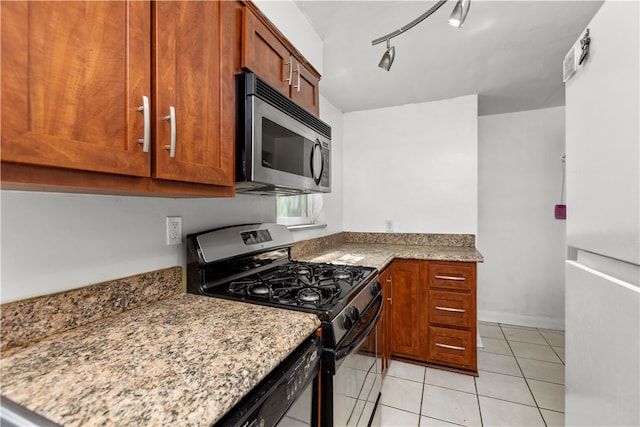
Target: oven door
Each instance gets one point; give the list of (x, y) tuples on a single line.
[(357, 381)]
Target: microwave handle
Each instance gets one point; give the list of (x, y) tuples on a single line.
[(317, 150)]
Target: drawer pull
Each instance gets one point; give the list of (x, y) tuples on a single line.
[(459, 279), (455, 310), (450, 347)]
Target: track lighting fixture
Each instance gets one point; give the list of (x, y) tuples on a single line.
[(387, 58), (458, 15)]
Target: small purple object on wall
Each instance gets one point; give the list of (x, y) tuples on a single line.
[(561, 211)]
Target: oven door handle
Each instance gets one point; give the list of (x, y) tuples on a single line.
[(361, 333)]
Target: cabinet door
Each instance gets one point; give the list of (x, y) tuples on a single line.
[(73, 75), (192, 76), (264, 54), (409, 325), (304, 89), (387, 331)]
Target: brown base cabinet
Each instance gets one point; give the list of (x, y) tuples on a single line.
[(431, 317), (407, 315), (387, 332)]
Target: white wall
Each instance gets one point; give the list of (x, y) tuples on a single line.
[(414, 164), (53, 242), (520, 176)]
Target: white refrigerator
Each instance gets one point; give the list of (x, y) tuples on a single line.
[(602, 294)]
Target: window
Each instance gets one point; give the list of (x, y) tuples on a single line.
[(298, 210)]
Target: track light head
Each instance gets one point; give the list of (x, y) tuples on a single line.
[(459, 13), (387, 57)]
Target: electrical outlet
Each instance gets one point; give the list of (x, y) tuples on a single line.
[(174, 230), (388, 225)]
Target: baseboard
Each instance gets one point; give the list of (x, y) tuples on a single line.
[(520, 320)]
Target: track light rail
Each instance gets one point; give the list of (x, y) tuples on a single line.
[(410, 25)]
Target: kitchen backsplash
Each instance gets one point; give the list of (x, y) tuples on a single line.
[(35, 318)]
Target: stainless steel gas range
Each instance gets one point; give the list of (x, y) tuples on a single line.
[(252, 263)]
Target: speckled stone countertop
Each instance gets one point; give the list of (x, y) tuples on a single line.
[(185, 360), (379, 249)]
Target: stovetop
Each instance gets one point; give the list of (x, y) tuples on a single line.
[(252, 263), (319, 288)]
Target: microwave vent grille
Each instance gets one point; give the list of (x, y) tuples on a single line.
[(268, 93)]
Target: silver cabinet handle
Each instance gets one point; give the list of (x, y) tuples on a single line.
[(450, 347), (290, 64), (171, 118), (298, 71), (459, 279), (454, 310), (144, 109)]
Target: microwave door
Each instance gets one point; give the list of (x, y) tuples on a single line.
[(283, 149)]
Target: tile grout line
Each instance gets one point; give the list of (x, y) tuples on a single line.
[(524, 376), (552, 349), (478, 400), (434, 385), (424, 382)]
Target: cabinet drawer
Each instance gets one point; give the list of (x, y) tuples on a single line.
[(453, 276), (451, 308), (452, 347)]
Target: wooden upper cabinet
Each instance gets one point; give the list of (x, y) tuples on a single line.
[(193, 79), (264, 54), (269, 57), (73, 76), (304, 89)]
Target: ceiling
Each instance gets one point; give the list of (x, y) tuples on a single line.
[(509, 52)]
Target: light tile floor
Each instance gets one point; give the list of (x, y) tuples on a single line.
[(520, 383)]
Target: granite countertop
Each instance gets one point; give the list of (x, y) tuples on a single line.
[(380, 255), (379, 249), (185, 360)]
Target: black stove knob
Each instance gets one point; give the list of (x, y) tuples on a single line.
[(347, 322), (375, 288), (355, 314)]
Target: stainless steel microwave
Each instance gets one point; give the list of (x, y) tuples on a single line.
[(281, 148)]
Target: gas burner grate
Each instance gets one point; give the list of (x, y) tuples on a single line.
[(297, 284)]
